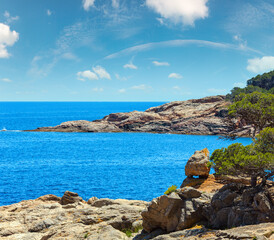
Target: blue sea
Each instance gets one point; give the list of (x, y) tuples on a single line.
[(113, 165)]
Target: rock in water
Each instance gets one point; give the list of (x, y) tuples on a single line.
[(197, 165)]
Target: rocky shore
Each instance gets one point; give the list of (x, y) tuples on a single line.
[(197, 116), (208, 207)]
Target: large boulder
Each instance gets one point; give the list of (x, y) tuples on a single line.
[(179, 210), (197, 165)]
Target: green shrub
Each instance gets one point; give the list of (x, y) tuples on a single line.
[(170, 190)]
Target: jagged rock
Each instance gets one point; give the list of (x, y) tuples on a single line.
[(235, 205), (196, 116), (163, 212), (70, 197), (176, 211), (197, 165), (189, 192)]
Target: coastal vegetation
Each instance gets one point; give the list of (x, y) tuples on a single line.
[(253, 105)]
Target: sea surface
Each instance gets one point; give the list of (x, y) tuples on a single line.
[(113, 165)]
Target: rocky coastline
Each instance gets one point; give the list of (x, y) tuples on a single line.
[(203, 116), (208, 207)]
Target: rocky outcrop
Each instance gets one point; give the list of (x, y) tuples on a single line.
[(197, 116), (180, 215), (236, 205), (179, 210), (48, 218), (197, 165)]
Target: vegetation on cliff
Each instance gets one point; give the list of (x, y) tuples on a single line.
[(261, 83), (255, 160), (253, 105)]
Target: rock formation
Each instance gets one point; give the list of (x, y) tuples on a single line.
[(197, 165), (197, 116)]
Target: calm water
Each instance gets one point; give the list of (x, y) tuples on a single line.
[(114, 165)]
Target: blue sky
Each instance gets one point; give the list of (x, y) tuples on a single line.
[(122, 50)]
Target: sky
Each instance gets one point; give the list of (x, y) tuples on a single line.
[(132, 50)]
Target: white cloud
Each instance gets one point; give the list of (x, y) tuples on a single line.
[(159, 64), (178, 43), (130, 66), (49, 12), (140, 87), (260, 65), (69, 56), (115, 3), (7, 38), (87, 4), (122, 90), (9, 18), (101, 72), (82, 76), (175, 75), (97, 89), (118, 77), (180, 11), (6, 80)]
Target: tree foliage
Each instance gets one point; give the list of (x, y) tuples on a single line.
[(265, 81), (255, 160), (261, 83), (256, 109)]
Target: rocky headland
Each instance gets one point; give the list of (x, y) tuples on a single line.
[(208, 207), (203, 116)]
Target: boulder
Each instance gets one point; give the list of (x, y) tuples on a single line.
[(70, 197), (163, 212), (197, 165), (176, 211)]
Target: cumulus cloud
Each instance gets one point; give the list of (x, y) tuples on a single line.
[(101, 72), (6, 80), (260, 65), (175, 75), (82, 76), (7, 38), (159, 64), (10, 18), (130, 66), (180, 11), (98, 72), (87, 4)]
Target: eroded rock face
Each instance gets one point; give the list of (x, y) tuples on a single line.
[(197, 116), (179, 210), (197, 165), (236, 204), (46, 218)]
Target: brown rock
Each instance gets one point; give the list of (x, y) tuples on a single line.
[(70, 197), (197, 165)]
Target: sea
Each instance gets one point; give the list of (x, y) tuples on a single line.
[(137, 166)]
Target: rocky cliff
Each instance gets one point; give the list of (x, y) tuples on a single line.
[(197, 116)]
